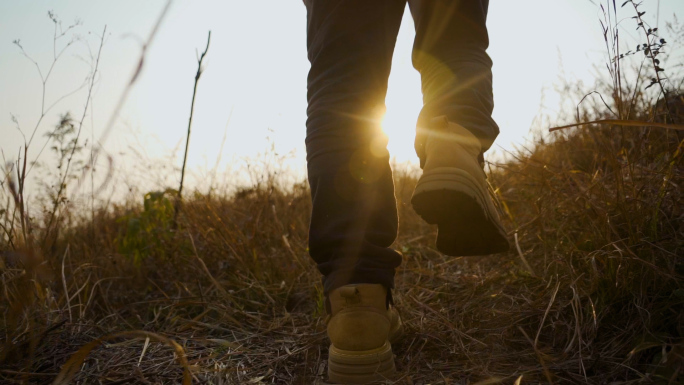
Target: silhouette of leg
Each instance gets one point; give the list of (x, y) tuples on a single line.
[(450, 54), (354, 220), (455, 126)]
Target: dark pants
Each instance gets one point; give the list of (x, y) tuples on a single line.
[(350, 46)]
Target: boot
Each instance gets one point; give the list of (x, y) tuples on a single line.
[(361, 328), (452, 192)]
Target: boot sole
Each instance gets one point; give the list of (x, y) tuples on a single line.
[(360, 367), (463, 211)]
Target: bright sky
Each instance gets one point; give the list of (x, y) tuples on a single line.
[(256, 70)]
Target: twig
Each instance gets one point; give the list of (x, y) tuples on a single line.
[(631, 123), (147, 343), (187, 138), (124, 96), (62, 185), (546, 313), (520, 253), (586, 96), (652, 56), (66, 288)]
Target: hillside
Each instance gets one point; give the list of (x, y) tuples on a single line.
[(592, 292)]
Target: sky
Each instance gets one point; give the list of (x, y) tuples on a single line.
[(252, 94)]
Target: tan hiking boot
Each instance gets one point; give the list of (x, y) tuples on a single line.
[(361, 328), (452, 192)]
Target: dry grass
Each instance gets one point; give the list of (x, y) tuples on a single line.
[(597, 213), (592, 292)]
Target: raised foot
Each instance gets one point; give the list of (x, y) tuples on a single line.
[(465, 216)]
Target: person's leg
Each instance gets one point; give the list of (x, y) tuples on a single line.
[(455, 126), (450, 54), (354, 219)]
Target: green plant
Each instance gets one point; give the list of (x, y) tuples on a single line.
[(147, 232)]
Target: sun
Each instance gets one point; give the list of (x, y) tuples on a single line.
[(398, 124)]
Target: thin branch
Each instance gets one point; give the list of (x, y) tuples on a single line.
[(652, 56), (187, 138), (62, 185), (631, 123), (124, 96), (586, 96)]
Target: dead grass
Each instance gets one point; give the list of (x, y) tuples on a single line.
[(597, 213), (592, 292)]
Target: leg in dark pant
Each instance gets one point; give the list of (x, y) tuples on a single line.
[(350, 45), (354, 218), (450, 54), (455, 126)]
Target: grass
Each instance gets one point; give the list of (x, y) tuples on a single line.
[(591, 292), (596, 213)]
